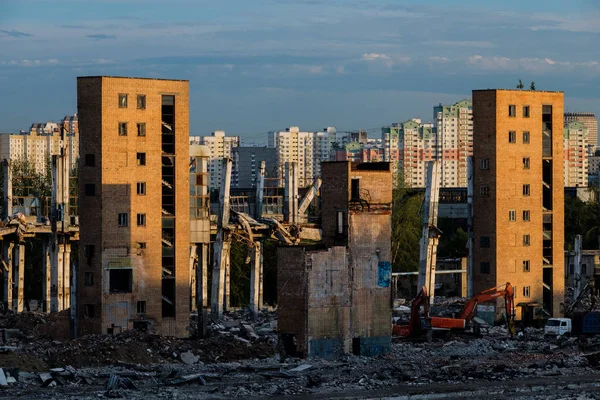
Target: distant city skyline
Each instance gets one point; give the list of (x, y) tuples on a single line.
[(264, 65)]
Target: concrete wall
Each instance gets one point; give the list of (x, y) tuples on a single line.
[(346, 300)]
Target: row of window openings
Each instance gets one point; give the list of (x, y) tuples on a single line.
[(141, 101), (485, 267), (90, 309), (485, 241), (512, 111), (141, 128), (123, 219), (90, 189), (484, 190), (484, 163), (512, 137), (90, 159)]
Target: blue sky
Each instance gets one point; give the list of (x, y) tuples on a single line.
[(259, 65)]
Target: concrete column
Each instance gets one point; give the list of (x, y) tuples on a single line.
[(193, 274), (67, 277), (7, 200), (46, 282), (202, 277), (53, 254), (227, 260), (20, 278), (218, 275), (7, 259), (260, 279), (60, 277), (73, 304), (255, 279)]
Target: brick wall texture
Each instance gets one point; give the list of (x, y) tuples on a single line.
[(504, 180), (115, 176)]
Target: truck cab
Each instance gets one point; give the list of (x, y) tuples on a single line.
[(558, 327)]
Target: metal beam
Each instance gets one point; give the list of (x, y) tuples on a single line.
[(256, 279)]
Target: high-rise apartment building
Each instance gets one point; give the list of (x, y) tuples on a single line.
[(590, 122), (134, 187), (245, 168), (220, 147), (43, 140), (416, 146), (454, 136), (576, 154), (307, 149), (409, 145), (518, 196)]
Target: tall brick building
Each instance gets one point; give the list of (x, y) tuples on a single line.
[(134, 196), (518, 196)]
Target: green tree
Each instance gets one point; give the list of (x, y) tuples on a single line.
[(453, 241), (520, 85), (406, 226)]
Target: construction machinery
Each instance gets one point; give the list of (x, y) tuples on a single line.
[(415, 327), (469, 312)]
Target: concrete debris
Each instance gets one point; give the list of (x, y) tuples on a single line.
[(3, 381), (300, 368), (230, 365), (189, 358)]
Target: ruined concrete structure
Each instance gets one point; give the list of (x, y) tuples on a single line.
[(134, 187), (518, 196), (335, 298)]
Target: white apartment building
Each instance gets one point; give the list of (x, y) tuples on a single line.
[(41, 142), (410, 145), (454, 131), (590, 122), (576, 154), (220, 147), (307, 149)]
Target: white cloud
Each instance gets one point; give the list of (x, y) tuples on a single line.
[(439, 59), (374, 56), (30, 63), (385, 59), (527, 63)]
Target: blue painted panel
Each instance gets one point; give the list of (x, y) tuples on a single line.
[(384, 271), (375, 346), (326, 348)]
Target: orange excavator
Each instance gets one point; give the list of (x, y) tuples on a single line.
[(470, 309), (414, 328)]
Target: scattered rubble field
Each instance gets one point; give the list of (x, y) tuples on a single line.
[(240, 360)]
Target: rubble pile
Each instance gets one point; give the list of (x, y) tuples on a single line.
[(239, 360), (234, 338)]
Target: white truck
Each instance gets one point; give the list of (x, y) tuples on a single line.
[(558, 327)]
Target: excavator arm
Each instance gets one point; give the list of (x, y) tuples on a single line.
[(505, 291), (414, 329)]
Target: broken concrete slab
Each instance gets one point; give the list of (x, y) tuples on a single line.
[(300, 368), (189, 358), (249, 332), (45, 377)]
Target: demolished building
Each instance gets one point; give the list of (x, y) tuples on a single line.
[(335, 297)]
